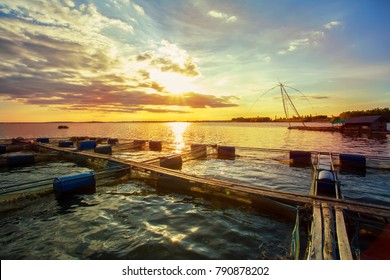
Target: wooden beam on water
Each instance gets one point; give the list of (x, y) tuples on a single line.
[(283, 196), (329, 245), (316, 243), (342, 236)]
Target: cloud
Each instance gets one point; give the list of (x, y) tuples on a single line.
[(139, 9), (189, 68), (222, 16), (319, 97), (85, 80), (98, 95), (299, 43), (264, 58), (309, 38), (169, 58), (267, 59), (62, 58), (69, 3), (332, 24), (144, 56), (84, 18), (306, 40), (196, 100)]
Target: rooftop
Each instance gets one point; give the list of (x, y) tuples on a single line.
[(364, 119)]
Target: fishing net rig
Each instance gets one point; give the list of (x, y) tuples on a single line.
[(288, 105)]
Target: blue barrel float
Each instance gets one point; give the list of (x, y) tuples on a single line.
[(103, 149), (155, 146), (65, 144), (226, 152), (86, 145), (43, 140), (20, 160), (3, 149), (352, 161), (173, 162), (112, 141), (300, 158), (83, 183), (326, 184)]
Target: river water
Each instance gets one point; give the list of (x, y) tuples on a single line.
[(141, 221)]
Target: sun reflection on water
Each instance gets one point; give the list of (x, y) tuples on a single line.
[(178, 129), (164, 231)]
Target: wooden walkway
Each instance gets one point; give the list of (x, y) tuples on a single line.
[(244, 192), (329, 238)]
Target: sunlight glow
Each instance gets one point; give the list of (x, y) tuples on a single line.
[(178, 129), (174, 83), (122, 61)]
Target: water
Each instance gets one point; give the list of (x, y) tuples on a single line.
[(263, 135), (135, 220), (39, 171)]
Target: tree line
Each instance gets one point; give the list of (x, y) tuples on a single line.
[(384, 112)]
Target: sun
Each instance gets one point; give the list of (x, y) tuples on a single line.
[(174, 83)]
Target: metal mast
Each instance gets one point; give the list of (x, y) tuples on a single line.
[(288, 102)]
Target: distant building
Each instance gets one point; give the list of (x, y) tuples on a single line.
[(367, 123)]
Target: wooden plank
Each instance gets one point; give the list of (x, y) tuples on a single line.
[(342, 236), (329, 249), (316, 243), (287, 197)]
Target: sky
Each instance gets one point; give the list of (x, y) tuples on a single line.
[(178, 60)]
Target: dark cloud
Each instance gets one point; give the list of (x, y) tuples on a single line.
[(120, 109), (46, 92), (144, 56), (166, 65), (8, 48), (47, 71), (197, 100), (153, 85), (145, 74), (319, 97)]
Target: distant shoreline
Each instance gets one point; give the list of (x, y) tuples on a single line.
[(203, 121), (384, 112)]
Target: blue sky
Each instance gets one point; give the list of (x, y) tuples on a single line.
[(190, 60)]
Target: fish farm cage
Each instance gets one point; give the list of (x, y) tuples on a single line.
[(303, 187)]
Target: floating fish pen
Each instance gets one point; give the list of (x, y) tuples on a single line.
[(325, 222), (340, 129)]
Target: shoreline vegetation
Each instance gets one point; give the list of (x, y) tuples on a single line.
[(384, 112)]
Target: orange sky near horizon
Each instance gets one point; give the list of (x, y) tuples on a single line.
[(172, 60)]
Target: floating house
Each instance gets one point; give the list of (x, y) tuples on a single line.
[(366, 123)]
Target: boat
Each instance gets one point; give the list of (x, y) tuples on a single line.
[(63, 127)]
